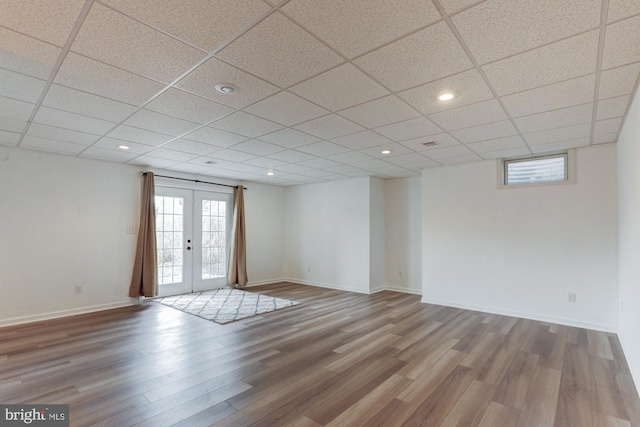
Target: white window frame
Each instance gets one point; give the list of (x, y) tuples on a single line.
[(570, 170)]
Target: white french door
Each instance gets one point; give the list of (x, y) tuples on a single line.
[(192, 234)]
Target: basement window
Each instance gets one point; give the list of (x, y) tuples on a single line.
[(535, 170)]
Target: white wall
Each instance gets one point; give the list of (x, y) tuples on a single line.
[(629, 236), (519, 251), (377, 233), (327, 232), (63, 222), (264, 211), (403, 214)]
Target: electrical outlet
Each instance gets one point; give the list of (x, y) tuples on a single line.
[(78, 289), (131, 229), (572, 297)]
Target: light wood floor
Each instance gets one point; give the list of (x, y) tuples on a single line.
[(339, 359)]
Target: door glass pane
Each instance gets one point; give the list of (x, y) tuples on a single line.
[(169, 236), (214, 239)]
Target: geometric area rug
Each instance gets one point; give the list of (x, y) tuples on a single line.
[(225, 305)]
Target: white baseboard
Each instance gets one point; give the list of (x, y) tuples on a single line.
[(524, 315), (634, 374), (326, 285), (265, 282), (403, 290), (65, 313)]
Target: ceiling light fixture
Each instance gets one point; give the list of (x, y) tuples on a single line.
[(445, 97), (123, 147), (270, 173), (225, 88), (386, 151)]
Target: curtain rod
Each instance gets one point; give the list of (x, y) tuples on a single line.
[(197, 180)]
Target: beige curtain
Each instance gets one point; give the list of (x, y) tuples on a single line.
[(145, 271), (237, 271)]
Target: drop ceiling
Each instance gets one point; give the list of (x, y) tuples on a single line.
[(323, 86)]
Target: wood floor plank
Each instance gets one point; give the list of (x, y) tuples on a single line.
[(397, 361)]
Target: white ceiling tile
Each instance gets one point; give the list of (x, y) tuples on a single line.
[(52, 146), (399, 67), (552, 63), (48, 21), (20, 87), (258, 148), (558, 134), (134, 147), (242, 167), (442, 140), (446, 152), (612, 107), (194, 21), (347, 170), (328, 127), (556, 118), (380, 112), (422, 164), (246, 124), (409, 129), (619, 9), (289, 168), (209, 165), (280, 52), (559, 95), (238, 175), (506, 143), (397, 172), (502, 154), (360, 140), (340, 88), (407, 159), (58, 134), (232, 156), (286, 108), (129, 133), (15, 109), (249, 89), (452, 6), (622, 43), (101, 79), (265, 162), (291, 156), (561, 145), (350, 157), (323, 149), (319, 163), (111, 37), (344, 26), (300, 179), (177, 103), (12, 125), (606, 138), (485, 132), (178, 156), (608, 126), (9, 138), (109, 155), (152, 162), (371, 164), (460, 160), (511, 27), (161, 123), (66, 120), (468, 87), (618, 81), (469, 115), (289, 138), (218, 137), (75, 101), (395, 148), (193, 147), (324, 175), (26, 55)]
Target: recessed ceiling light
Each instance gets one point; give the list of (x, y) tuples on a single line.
[(123, 147), (270, 173), (445, 97), (386, 151), (225, 88)]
